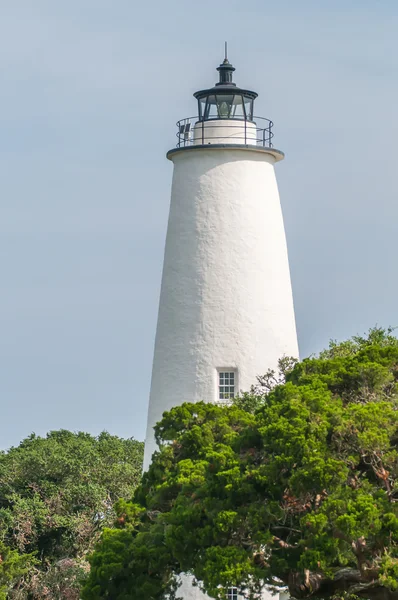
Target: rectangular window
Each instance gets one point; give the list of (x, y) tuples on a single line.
[(226, 384), (232, 593)]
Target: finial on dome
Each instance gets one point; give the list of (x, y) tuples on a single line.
[(226, 70)]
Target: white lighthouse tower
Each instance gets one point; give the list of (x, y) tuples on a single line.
[(226, 308)]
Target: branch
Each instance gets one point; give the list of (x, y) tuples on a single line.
[(287, 528), (351, 581), (284, 544)]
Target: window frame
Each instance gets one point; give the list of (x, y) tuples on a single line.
[(226, 383), (205, 104), (232, 593)]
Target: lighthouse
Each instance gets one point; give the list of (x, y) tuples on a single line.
[(226, 308)]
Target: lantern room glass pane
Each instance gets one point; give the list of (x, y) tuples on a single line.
[(248, 107), (224, 104), (211, 111), (202, 107), (237, 111)]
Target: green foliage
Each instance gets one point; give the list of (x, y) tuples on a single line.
[(56, 495), (13, 567), (377, 336), (297, 487)]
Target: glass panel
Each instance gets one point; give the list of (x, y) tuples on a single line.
[(226, 385), (202, 106), (248, 107), (211, 111), (224, 104), (237, 111)]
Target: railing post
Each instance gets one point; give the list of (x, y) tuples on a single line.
[(245, 132)]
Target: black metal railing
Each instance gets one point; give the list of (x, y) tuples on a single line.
[(192, 132)]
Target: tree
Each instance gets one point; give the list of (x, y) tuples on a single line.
[(299, 491), (56, 495)]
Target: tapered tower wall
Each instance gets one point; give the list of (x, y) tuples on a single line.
[(226, 299)]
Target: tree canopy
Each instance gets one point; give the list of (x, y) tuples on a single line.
[(292, 486), (56, 495)]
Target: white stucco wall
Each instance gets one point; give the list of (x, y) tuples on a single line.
[(189, 592), (226, 298), (225, 131)]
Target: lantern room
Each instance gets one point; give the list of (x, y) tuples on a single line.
[(225, 100)]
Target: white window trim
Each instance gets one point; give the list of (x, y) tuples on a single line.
[(232, 593), (219, 370)]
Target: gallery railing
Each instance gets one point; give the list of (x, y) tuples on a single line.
[(192, 132)]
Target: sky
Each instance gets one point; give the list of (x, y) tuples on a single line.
[(90, 93)]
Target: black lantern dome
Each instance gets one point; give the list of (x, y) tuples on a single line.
[(225, 100)]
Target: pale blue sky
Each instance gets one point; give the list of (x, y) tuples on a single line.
[(90, 93)]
